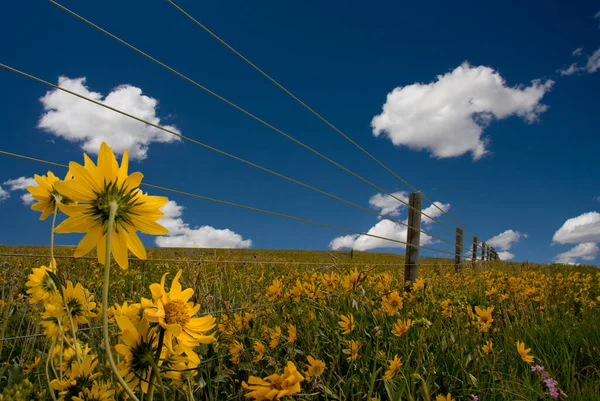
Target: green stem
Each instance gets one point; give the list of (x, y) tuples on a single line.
[(161, 338), (52, 262), (156, 373), (47, 370), (111, 360)]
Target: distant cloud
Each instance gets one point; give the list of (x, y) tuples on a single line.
[(388, 205), (577, 52), (572, 69), (506, 240), (505, 255), (77, 120), (448, 116), (27, 199), (182, 236), (586, 251), (597, 198), (581, 229), (4, 195), (20, 183), (386, 229), (593, 63)]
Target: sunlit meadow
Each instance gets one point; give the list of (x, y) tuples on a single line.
[(77, 329)]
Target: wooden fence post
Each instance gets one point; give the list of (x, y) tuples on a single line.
[(413, 238), (458, 251), (483, 248), (474, 255)]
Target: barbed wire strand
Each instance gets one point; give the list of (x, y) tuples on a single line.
[(221, 152), (239, 108), (319, 116), (339, 228)]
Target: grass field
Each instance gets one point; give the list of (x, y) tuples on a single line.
[(453, 336)]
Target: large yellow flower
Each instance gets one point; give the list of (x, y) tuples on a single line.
[(99, 392), (176, 316), (524, 352), (46, 194), (41, 286), (93, 189), (274, 386), (78, 378)]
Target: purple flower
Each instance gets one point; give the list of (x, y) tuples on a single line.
[(537, 368), (545, 375)]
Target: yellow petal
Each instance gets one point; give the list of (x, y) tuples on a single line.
[(78, 223), (89, 241), (133, 243), (119, 249), (148, 226)]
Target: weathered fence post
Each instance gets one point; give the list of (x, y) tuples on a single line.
[(474, 255), (458, 251), (483, 248), (413, 238)]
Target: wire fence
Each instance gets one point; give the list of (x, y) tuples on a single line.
[(464, 251)]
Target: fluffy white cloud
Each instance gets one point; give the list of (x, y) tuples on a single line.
[(434, 212), (580, 229), (80, 121), (506, 240), (182, 236), (585, 251), (27, 199), (448, 116), (20, 183), (505, 255), (4, 195), (577, 52), (593, 63), (388, 205), (572, 69), (386, 229)]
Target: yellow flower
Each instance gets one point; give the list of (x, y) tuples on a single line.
[(315, 368), (291, 333), (93, 189), (391, 303), (99, 392), (446, 398), (395, 365), (352, 351), (41, 286), (274, 335), (275, 289), (78, 377), (46, 194), (347, 324), (175, 314), (353, 280), (235, 349), (274, 386), (259, 349), (524, 352), (401, 327), (419, 284), (28, 368), (488, 347), (79, 302), (138, 345), (485, 315)]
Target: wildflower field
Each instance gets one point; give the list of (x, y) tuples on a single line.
[(317, 325)]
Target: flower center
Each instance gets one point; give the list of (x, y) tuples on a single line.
[(124, 197), (176, 312)]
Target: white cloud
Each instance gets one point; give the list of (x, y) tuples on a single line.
[(434, 212), (597, 198), (505, 255), (585, 251), (4, 195), (77, 120), (182, 236), (593, 63), (577, 52), (572, 69), (20, 183), (506, 240), (580, 229), (386, 229), (388, 205), (447, 117), (27, 199)]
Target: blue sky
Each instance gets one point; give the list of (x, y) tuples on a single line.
[(503, 152)]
